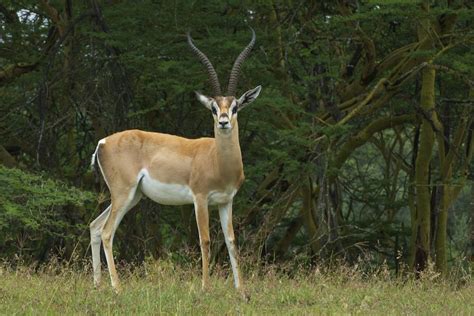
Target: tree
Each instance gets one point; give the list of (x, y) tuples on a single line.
[(361, 141)]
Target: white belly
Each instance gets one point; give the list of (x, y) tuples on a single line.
[(178, 194), (165, 193)]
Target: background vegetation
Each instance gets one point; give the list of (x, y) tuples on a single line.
[(360, 146)]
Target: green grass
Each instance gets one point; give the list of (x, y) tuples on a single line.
[(163, 288)]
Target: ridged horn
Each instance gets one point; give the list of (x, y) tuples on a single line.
[(216, 87), (234, 74)]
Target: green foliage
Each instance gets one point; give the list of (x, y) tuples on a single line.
[(34, 209), (129, 66)]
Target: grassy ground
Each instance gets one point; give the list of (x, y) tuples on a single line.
[(161, 288)]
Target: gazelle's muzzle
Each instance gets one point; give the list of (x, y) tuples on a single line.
[(224, 121)]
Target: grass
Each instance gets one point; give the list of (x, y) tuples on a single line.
[(160, 287)]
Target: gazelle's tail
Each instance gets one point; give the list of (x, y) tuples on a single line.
[(95, 164)]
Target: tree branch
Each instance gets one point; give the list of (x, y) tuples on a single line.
[(12, 71), (365, 134)]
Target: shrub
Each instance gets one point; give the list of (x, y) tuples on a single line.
[(39, 216)]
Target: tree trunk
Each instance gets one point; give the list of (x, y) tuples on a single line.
[(6, 159), (425, 147), (422, 172), (411, 201), (441, 260), (307, 214), (284, 244), (471, 250)]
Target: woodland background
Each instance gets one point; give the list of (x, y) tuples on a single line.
[(359, 148)]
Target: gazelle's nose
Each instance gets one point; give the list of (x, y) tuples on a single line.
[(224, 124)]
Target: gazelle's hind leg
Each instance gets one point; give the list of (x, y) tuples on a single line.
[(121, 204), (96, 241)]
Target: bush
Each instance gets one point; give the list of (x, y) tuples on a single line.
[(39, 216)]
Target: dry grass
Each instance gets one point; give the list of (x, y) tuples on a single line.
[(160, 287)]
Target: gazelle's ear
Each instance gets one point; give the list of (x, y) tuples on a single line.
[(205, 100), (248, 97)]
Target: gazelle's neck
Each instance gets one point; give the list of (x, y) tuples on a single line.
[(229, 157)]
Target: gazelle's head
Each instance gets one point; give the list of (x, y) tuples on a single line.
[(225, 108)]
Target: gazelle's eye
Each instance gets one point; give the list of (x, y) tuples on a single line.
[(214, 111), (234, 110)]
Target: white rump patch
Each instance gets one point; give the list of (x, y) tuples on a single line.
[(102, 141), (164, 193)]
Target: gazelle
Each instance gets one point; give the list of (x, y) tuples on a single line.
[(173, 170)]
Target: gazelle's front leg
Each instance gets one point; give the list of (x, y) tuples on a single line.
[(225, 214), (202, 219)]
